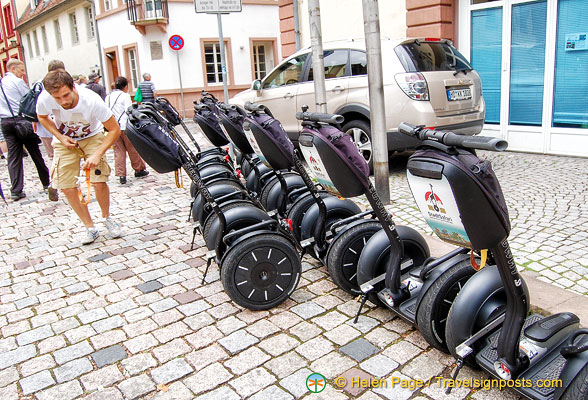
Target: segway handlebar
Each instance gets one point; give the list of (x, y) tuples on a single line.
[(320, 117), (453, 139), (249, 106), (226, 107)]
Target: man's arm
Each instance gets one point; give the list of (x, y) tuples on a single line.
[(50, 126), (153, 90), (113, 134)]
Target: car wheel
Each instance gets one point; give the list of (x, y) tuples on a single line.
[(361, 136)]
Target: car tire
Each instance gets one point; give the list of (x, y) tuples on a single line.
[(361, 135)]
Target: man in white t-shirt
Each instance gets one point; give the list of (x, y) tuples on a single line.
[(79, 118)]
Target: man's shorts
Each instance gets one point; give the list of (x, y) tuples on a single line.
[(67, 162)]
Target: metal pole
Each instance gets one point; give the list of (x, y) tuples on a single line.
[(318, 64), (296, 24), (181, 87), (222, 51), (102, 72), (371, 24)]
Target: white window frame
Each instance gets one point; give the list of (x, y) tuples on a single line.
[(134, 73), (36, 43), (90, 25), (58, 38), (217, 65), (45, 39), (73, 24), (29, 44), (268, 58)]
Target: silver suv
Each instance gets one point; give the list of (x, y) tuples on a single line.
[(426, 82)]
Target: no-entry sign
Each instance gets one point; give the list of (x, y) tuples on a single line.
[(176, 42)]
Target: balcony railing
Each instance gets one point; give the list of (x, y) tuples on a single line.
[(142, 13)]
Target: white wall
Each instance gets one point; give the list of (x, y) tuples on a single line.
[(343, 19), (254, 21), (81, 58)]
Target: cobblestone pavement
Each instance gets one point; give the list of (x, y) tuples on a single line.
[(129, 317)]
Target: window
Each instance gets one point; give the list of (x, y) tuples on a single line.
[(153, 9), (29, 45), (288, 73), (45, 41), (335, 62), (212, 60), (91, 30), (133, 67), (57, 28), (8, 20), (107, 5), (36, 42), (358, 61), (263, 59), (75, 37)]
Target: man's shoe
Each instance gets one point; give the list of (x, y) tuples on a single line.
[(90, 236), (123, 180), (139, 174), (113, 227), (17, 196), (53, 194)]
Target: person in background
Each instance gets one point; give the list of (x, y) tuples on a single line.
[(82, 81), (147, 89), (3, 147), (80, 118), (94, 86), (118, 101), (13, 88)]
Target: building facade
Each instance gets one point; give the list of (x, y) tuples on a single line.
[(9, 38), (135, 40), (59, 29)]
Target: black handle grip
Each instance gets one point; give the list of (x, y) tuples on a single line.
[(320, 117), (226, 107), (200, 107), (452, 139), (251, 107)]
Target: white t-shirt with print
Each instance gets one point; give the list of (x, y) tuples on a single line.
[(82, 121)]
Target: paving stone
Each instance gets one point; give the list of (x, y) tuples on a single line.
[(262, 329), (122, 274), (65, 325), (305, 331), (193, 308), (141, 343), (395, 392), (108, 324), (79, 334), (171, 371), (36, 382), (72, 369), (187, 297), (401, 352), (167, 317), (307, 310), (171, 332), (103, 377), (332, 365), (171, 350), (379, 365), (72, 352), (380, 337), (92, 315), (7, 344), (315, 348), (163, 305), (8, 376), (9, 392), (246, 360), (364, 324), (34, 335), (208, 378), (238, 341), (342, 334), (272, 393), (230, 324), (423, 367), (37, 364), (199, 321), (139, 363), (252, 382), (135, 387), (66, 391), (108, 338), (279, 344), (285, 365), (120, 307), (222, 393), (149, 287), (77, 288), (359, 349), (352, 386), (51, 344), (109, 355), (330, 320), (296, 383), (204, 337), (26, 302), (18, 355)]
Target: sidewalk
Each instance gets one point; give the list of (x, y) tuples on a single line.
[(128, 318)]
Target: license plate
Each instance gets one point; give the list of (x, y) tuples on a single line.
[(459, 94)]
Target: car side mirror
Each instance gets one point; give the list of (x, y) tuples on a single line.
[(256, 85)]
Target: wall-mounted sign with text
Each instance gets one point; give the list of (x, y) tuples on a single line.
[(217, 6), (576, 41)]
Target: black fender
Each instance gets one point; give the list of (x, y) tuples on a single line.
[(375, 252), (212, 169), (574, 363), (336, 208), (252, 235), (342, 229), (252, 178), (293, 181), (236, 218), (216, 191), (481, 300)]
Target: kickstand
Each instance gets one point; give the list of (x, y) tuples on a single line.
[(363, 300), (193, 238), (190, 212), (459, 366), (208, 262)]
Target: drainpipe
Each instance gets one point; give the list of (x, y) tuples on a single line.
[(102, 72), (296, 25)]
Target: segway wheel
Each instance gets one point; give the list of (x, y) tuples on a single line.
[(344, 253), (261, 272), (298, 211), (212, 217), (434, 307), (578, 387)]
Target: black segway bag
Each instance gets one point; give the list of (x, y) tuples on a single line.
[(208, 122), (460, 197), (154, 143), (232, 120), (171, 114), (269, 141)]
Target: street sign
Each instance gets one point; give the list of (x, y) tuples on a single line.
[(176, 42), (217, 6)]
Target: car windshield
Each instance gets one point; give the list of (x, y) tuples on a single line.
[(287, 73), (431, 56)]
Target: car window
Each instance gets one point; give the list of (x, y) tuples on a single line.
[(358, 63), (431, 56), (335, 64), (287, 73)]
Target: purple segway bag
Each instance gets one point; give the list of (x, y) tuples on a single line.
[(269, 141)]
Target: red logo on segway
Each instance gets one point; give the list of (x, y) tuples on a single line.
[(435, 203)]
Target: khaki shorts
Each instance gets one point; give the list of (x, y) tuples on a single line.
[(66, 162)]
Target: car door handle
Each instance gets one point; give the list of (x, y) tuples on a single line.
[(288, 95), (338, 89)]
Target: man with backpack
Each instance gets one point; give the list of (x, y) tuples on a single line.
[(18, 131), (94, 86)]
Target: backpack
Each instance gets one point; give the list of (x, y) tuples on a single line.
[(28, 103)]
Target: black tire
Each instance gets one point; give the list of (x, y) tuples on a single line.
[(361, 135), (435, 304), (213, 217), (298, 211), (261, 285), (344, 253), (291, 182), (201, 210), (373, 263), (578, 387)]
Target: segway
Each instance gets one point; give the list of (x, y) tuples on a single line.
[(259, 263), (488, 324), (391, 268)]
